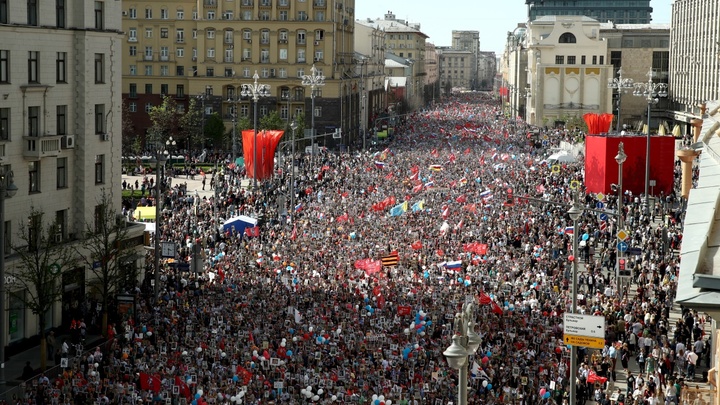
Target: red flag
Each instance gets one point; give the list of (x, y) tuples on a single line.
[(184, 389), (496, 308), (254, 231), (293, 235), (434, 153), (149, 382), (404, 310), (462, 199), (484, 299), (467, 151), (244, 374), (417, 245), (418, 188), (342, 218)]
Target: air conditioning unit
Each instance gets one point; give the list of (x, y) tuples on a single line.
[(67, 142), (194, 58), (125, 13), (105, 137), (249, 41), (317, 43)]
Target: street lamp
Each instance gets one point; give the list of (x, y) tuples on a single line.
[(652, 93), (202, 98), (255, 91), (574, 212), (233, 113), (622, 85), (314, 79), (294, 127), (620, 158), (465, 342), (7, 189), (161, 157)]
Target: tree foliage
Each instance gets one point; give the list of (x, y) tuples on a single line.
[(214, 129), (164, 120), (271, 121), (105, 253), (129, 138), (191, 124), (41, 262)]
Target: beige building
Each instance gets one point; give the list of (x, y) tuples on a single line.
[(186, 48), (432, 70), (458, 69), (469, 41), (370, 59), (60, 119)]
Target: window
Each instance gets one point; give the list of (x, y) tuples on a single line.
[(61, 119), (180, 15), (302, 16), (318, 111), (148, 13), (148, 70), (99, 118), (210, 34), (180, 35), (210, 15), (319, 15), (99, 215), (61, 67), (132, 35), (132, 13), (148, 107), (61, 180), (602, 59), (60, 13), (4, 124), (264, 15), (283, 15), (227, 15), (32, 12), (180, 91), (33, 67), (282, 73), (283, 54), (571, 60), (33, 121), (4, 11), (148, 88), (99, 169), (179, 70), (148, 32), (194, 34), (246, 72), (99, 68), (4, 66), (318, 56), (164, 53), (164, 70), (99, 18), (133, 70), (228, 37), (247, 15), (300, 73), (582, 60), (247, 35), (210, 72), (265, 36), (244, 110), (559, 59), (163, 33), (211, 52), (282, 35), (567, 38), (194, 15), (594, 60), (164, 89), (264, 72), (319, 35), (164, 15), (132, 106), (180, 52), (34, 179), (133, 50), (264, 56), (133, 90), (229, 73), (148, 53), (228, 55), (301, 36), (301, 55)]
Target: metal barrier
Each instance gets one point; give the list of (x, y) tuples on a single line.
[(51, 373)]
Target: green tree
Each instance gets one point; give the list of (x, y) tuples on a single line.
[(214, 129), (105, 244), (41, 263), (128, 132), (191, 124), (272, 121), (164, 121)]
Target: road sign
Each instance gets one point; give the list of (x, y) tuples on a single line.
[(622, 234), (600, 196), (584, 341), (635, 251), (603, 217), (599, 205), (584, 325), (622, 246)]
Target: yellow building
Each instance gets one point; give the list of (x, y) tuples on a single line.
[(190, 48)]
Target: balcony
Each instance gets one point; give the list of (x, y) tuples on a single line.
[(147, 57), (247, 3), (319, 3), (180, 40), (38, 147), (164, 58), (210, 3), (265, 3)]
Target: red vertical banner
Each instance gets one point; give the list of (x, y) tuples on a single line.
[(267, 141)]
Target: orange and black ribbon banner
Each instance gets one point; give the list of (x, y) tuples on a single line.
[(391, 260)]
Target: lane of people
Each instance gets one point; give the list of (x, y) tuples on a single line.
[(350, 297)]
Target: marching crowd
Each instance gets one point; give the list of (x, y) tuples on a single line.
[(349, 295)]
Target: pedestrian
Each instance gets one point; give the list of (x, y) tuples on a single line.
[(50, 344)]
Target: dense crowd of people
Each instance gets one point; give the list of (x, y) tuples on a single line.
[(349, 296)]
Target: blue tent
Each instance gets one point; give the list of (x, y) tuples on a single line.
[(239, 224)]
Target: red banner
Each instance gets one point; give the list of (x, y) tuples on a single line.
[(404, 310), (267, 141)]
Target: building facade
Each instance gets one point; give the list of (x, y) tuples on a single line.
[(469, 41), (60, 134), (458, 69), (211, 48), (617, 11)]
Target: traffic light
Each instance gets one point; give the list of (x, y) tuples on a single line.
[(622, 269)]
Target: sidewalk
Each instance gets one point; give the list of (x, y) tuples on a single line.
[(15, 365)]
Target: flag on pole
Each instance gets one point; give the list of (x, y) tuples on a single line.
[(569, 230), (391, 260), (418, 206)]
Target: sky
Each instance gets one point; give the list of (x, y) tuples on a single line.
[(493, 20)]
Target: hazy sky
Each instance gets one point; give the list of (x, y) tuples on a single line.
[(492, 19)]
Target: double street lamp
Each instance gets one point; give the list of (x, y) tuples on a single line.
[(620, 158), (465, 342), (7, 190), (162, 155), (294, 127), (255, 91), (622, 85), (315, 79), (652, 92)]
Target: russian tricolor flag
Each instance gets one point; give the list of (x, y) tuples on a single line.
[(379, 164), (298, 207), (455, 265), (569, 230)]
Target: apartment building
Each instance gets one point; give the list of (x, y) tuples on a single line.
[(188, 48), (617, 11)]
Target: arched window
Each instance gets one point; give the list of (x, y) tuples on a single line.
[(567, 38)]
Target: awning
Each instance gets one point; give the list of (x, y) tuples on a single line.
[(677, 131)]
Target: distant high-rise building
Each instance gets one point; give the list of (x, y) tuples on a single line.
[(469, 41), (619, 12)]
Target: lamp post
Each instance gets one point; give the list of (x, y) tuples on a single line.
[(574, 213), (465, 342), (233, 114), (255, 91), (294, 127), (651, 92), (7, 190), (161, 157), (314, 79), (202, 98), (620, 158), (622, 85)]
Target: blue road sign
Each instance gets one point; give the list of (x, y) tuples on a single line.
[(603, 217), (600, 205), (635, 251), (622, 246)]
